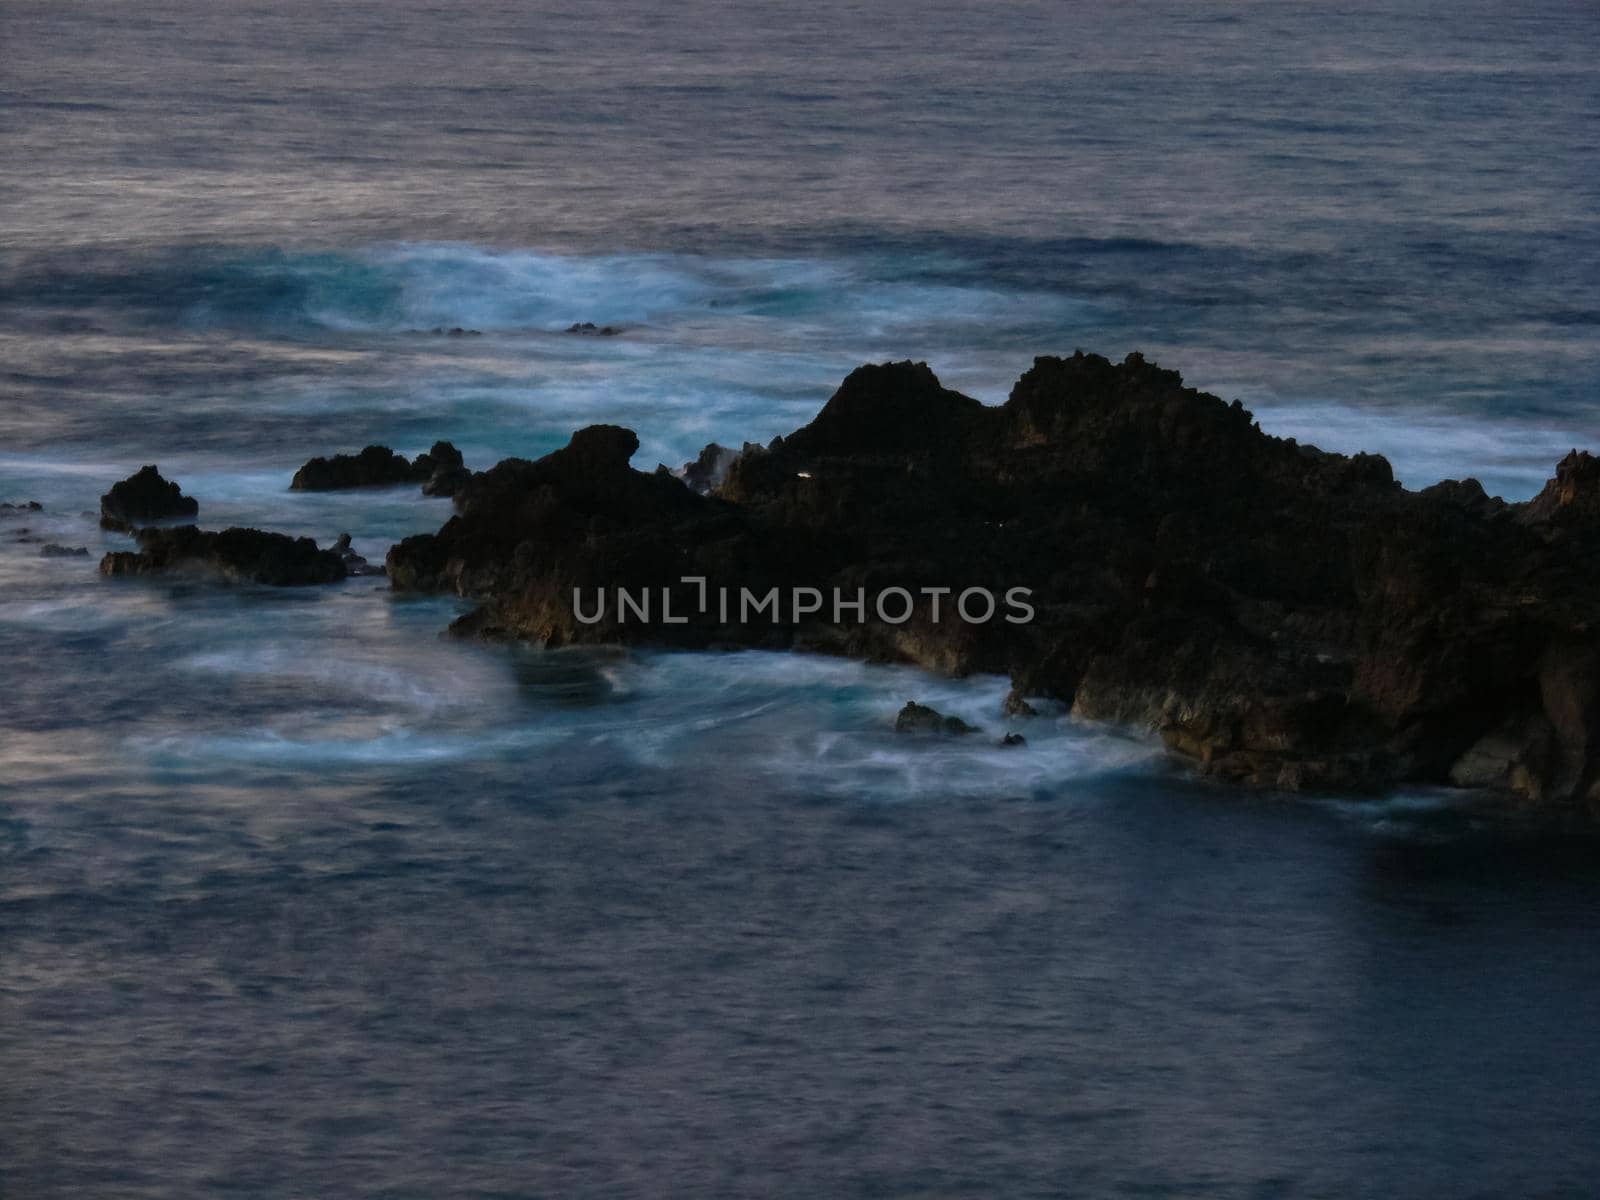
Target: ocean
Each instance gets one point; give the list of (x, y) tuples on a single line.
[(299, 898)]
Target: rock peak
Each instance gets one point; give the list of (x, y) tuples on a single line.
[(601, 447)]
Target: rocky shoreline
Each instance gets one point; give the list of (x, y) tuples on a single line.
[(1283, 617)]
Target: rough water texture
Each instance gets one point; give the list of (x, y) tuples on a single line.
[(299, 898)]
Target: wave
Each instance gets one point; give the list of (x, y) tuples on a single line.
[(425, 286), (779, 723)]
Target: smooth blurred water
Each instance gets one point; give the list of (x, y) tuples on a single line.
[(298, 898)]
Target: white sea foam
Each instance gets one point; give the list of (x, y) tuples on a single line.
[(447, 285), (815, 725)]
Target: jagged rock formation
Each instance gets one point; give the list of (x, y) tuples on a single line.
[(919, 718), (440, 471), (1284, 617), (144, 497), (706, 473), (233, 556)]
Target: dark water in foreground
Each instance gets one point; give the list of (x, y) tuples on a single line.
[(299, 900)]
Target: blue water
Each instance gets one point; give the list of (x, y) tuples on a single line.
[(298, 898)]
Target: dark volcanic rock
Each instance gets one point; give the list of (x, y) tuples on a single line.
[(376, 466), (707, 472), (354, 564), (446, 481), (144, 497), (55, 550), (1016, 705), (1283, 617), (441, 457), (440, 471), (234, 555), (1467, 494), (919, 718), (1572, 497)]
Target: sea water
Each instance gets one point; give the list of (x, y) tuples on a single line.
[(299, 898)]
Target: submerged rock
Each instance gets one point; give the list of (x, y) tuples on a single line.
[(233, 555), (1283, 617), (21, 506), (55, 550), (1013, 740), (590, 329), (144, 497)]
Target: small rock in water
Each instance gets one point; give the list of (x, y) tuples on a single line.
[(1013, 739), (706, 473), (919, 718), (1016, 706), (53, 550), (590, 329), (354, 564), (21, 506), (143, 497)]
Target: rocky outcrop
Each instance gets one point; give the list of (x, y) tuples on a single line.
[(1283, 617), (56, 550), (24, 506), (440, 471), (1016, 705), (233, 556), (142, 498), (919, 718), (1572, 498), (375, 466), (706, 473)]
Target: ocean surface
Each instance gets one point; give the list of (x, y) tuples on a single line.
[(300, 899)]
